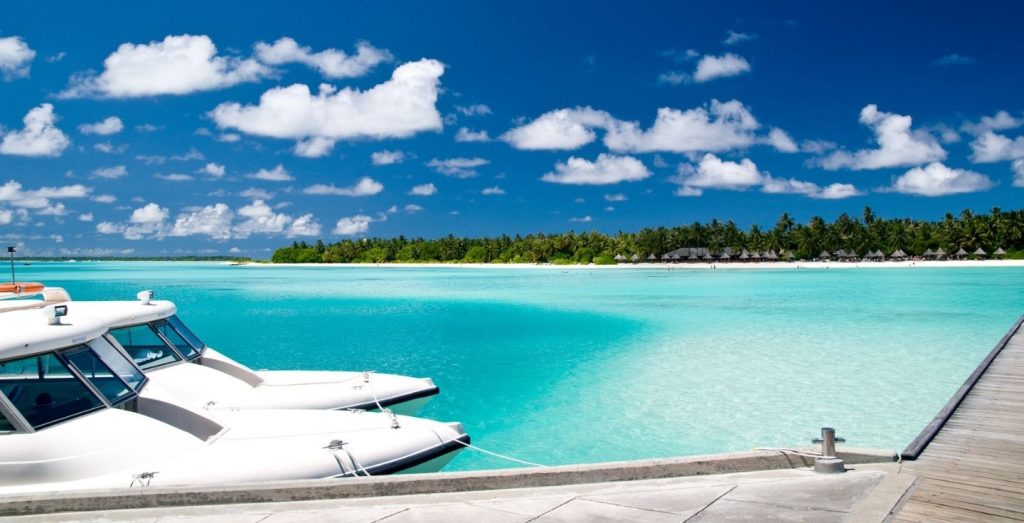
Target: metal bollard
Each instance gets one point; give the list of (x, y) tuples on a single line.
[(828, 463)]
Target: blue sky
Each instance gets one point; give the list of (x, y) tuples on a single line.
[(239, 127)]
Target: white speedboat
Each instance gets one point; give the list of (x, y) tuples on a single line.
[(159, 342), (76, 412)]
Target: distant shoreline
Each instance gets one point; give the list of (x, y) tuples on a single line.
[(671, 266)]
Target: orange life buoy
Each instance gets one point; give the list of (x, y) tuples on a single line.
[(21, 288)]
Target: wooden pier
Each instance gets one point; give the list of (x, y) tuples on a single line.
[(970, 459)]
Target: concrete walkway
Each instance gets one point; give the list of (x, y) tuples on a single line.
[(866, 493)]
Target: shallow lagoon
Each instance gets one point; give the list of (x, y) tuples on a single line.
[(580, 365)]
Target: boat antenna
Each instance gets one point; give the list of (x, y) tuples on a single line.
[(10, 251)]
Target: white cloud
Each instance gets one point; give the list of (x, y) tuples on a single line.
[(213, 221), (607, 169), (214, 170), (465, 134), (723, 126), (174, 177), (85, 217), (583, 219), (711, 67), (277, 174), (304, 225), (493, 191), (331, 63), (39, 137), (733, 37), (260, 219), (935, 179), (715, 173), (619, 197), (457, 167), (412, 208), (109, 148), (899, 144), (315, 147), (473, 110), (191, 155), (104, 198), (352, 225), (992, 147), (562, 129), (1001, 121), (781, 141), (387, 157), (15, 58), (254, 193), (109, 125), (366, 186), (147, 128), (110, 173), (56, 209), (426, 189), (177, 65), (397, 108), (673, 78), (229, 137), (150, 213), (1018, 173)]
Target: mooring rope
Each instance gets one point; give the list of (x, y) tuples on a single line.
[(495, 454), (791, 451)]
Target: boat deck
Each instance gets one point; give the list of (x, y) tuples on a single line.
[(970, 459)]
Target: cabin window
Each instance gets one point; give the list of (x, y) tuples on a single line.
[(177, 340), (99, 374), (116, 361), (144, 346), (44, 390), (5, 425), (186, 332)]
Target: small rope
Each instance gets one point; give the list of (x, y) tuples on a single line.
[(394, 419), (502, 456), (791, 451)]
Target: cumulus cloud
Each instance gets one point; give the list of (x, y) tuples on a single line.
[(715, 173), (387, 157), (607, 169), (464, 134), (85, 217), (493, 191), (562, 129), (991, 147), (935, 179), (426, 189), (473, 110), (259, 218), (254, 193), (582, 219), (1018, 173), (110, 173), (212, 220), (277, 174), (104, 198), (711, 67), (216, 221), (352, 225), (214, 170), (366, 186), (673, 78), (899, 144), (331, 63), (1001, 121), (733, 37), (397, 108), (781, 141), (150, 213), (457, 167), (177, 65), (15, 58), (174, 177), (107, 126), (39, 137), (109, 148), (722, 126)]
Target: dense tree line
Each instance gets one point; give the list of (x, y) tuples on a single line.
[(861, 234)]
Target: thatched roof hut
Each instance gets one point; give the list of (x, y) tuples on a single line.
[(999, 253), (960, 253), (979, 252), (652, 257), (635, 258), (939, 253), (899, 254), (824, 255), (620, 258)]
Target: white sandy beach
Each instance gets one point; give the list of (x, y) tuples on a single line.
[(685, 266)]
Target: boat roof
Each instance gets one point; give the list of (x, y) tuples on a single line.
[(27, 331), (124, 313)]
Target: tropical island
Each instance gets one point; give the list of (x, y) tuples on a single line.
[(997, 233)]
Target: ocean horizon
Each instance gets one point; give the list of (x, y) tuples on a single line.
[(578, 366)]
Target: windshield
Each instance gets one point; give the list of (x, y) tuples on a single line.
[(44, 390), (116, 361), (144, 346), (186, 332), (184, 347)]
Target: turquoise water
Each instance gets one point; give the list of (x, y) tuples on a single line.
[(586, 365)]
